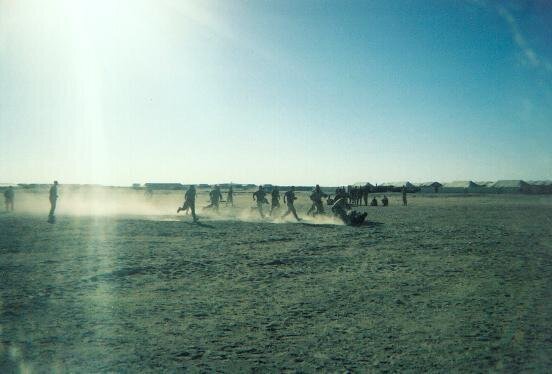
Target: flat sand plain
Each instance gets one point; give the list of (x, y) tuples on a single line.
[(449, 283)]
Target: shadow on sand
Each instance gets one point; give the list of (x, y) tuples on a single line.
[(370, 224)]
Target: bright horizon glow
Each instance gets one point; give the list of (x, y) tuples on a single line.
[(292, 92)]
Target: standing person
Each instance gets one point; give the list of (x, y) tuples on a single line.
[(275, 199), (53, 202), (189, 202), (215, 196), (260, 196), (289, 198), (365, 191), (9, 196), (404, 196), (230, 197), (385, 201)]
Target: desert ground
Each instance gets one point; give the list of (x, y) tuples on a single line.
[(121, 283)]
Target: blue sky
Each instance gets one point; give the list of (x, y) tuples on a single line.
[(302, 92)]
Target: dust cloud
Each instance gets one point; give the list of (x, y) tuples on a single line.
[(162, 205)]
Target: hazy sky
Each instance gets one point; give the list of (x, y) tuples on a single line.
[(302, 92)]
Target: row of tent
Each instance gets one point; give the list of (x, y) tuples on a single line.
[(501, 186)]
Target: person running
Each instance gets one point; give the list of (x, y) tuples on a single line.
[(9, 196), (230, 197), (189, 202), (216, 196), (275, 199), (317, 204), (260, 197), (404, 196), (289, 198), (53, 202)]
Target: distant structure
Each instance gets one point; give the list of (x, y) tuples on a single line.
[(136, 185), (164, 186), (511, 186), (540, 187), (430, 187), (460, 187)]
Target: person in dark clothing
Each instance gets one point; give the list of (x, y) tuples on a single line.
[(385, 201), (215, 196), (230, 197), (352, 218), (189, 202), (289, 198), (374, 202), (317, 204), (260, 197), (365, 191), (53, 202), (275, 199), (9, 197), (404, 196)]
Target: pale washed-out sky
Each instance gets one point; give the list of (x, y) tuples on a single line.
[(283, 92)]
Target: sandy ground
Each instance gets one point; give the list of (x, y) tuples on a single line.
[(446, 284)]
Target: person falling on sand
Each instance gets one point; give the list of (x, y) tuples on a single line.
[(9, 197), (260, 197), (275, 199), (189, 202), (289, 198), (53, 202)]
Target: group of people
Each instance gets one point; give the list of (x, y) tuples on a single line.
[(340, 204), (259, 196), (9, 199)]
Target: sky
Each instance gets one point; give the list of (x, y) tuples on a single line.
[(281, 92)]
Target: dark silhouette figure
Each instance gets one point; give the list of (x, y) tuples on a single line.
[(385, 201), (374, 202), (365, 191), (289, 198), (275, 199), (404, 196), (230, 197), (53, 202), (260, 197), (317, 204), (216, 196), (189, 202), (352, 218), (9, 197)]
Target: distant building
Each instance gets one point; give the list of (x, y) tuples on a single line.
[(430, 187), (540, 187), (460, 187), (164, 186), (511, 186), (400, 184), (364, 184), (136, 185)]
